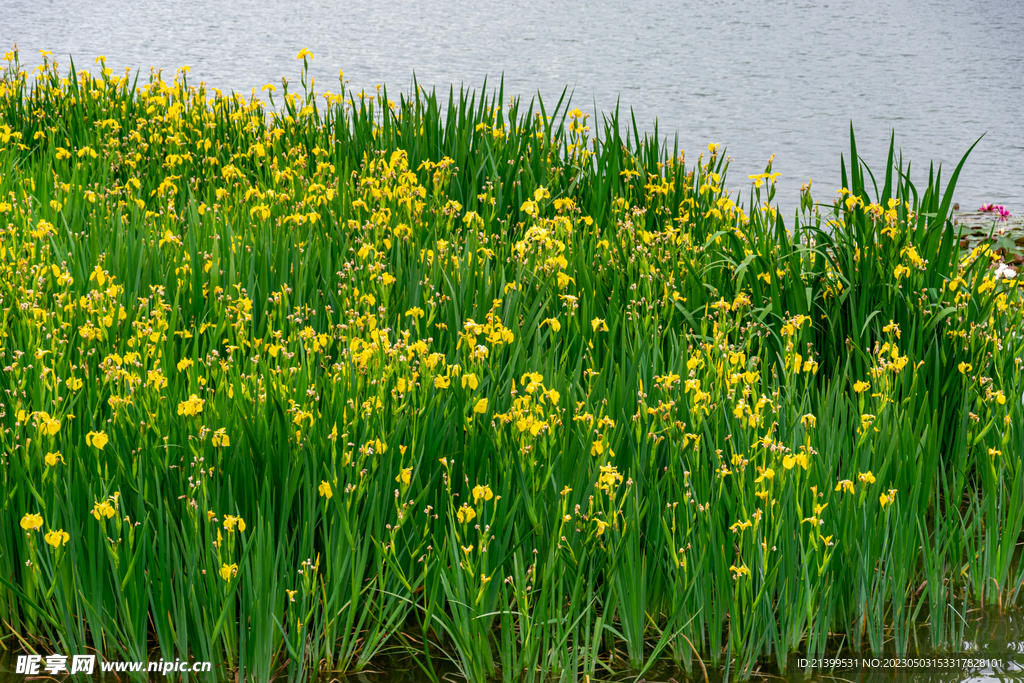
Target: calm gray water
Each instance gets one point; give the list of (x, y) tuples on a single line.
[(781, 77)]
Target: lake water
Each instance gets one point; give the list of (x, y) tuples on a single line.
[(781, 77)]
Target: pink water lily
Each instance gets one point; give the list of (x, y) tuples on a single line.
[(995, 208)]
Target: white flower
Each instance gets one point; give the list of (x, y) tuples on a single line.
[(1005, 272)]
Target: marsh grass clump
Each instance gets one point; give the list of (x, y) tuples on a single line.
[(289, 388)]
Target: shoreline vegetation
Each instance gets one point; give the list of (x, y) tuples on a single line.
[(293, 390)]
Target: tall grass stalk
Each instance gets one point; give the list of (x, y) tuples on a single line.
[(291, 388)]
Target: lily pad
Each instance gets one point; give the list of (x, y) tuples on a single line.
[(1004, 235)]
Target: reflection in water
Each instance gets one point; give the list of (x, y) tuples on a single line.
[(783, 77), (987, 635)]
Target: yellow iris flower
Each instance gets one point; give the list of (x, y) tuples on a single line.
[(32, 522), (56, 538), (97, 439)]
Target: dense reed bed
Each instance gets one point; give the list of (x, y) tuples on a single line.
[(292, 387)]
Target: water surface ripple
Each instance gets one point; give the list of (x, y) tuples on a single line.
[(781, 76)]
